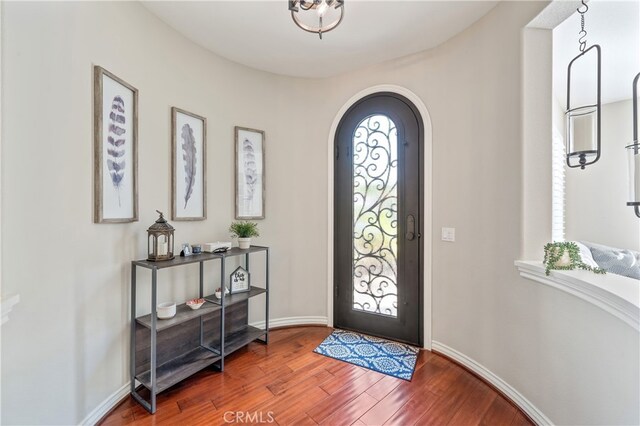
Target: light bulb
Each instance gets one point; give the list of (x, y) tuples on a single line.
[(322, 8)]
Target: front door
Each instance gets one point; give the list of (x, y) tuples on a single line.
[(378, 219)]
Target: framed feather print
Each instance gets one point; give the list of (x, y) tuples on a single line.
[(188, 165), (115, 148), (249, 179)]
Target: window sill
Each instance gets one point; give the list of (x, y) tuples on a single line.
[(618, 295)]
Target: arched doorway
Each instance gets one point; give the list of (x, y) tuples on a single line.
[(378, 218)]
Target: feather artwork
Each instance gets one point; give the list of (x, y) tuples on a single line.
[(189, 156), (116, 148), (250, 169)]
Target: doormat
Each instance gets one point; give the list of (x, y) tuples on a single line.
[(384, 356)]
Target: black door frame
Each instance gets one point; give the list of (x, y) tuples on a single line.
[(424, 216)]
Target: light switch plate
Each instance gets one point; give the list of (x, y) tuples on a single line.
[(449, 234)]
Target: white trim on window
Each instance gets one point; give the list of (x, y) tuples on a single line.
[(557, 187)]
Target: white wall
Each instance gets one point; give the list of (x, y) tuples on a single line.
[(555, 349), (65, 348), (1, 292), (572, 374), (596, 198)]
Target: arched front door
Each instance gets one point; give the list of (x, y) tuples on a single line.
[(378, 219)]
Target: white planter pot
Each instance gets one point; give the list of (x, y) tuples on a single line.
[(565, 260), (244, 243), (166, 310)]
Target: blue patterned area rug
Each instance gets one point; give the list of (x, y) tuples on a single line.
[(384, 356)]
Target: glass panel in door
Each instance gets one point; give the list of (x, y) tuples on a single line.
[(375, 216)]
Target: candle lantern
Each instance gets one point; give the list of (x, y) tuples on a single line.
[(160, 240), (583, 106), (633, 153)]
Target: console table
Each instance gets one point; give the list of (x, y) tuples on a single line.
[(166, 351)]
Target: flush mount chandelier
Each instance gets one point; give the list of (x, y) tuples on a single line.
[(317, 16)]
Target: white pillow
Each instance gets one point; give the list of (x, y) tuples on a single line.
[(586, 256), (617, 261)]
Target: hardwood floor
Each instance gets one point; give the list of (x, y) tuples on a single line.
[(286, 383)]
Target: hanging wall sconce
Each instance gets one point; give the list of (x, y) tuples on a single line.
[(633, 153), (583, 119)]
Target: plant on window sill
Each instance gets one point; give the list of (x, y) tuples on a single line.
[(565, 256)]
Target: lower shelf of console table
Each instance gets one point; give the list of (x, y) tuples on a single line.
[(179, 368), (182, 352)]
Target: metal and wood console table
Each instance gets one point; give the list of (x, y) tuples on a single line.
[(165, 352)]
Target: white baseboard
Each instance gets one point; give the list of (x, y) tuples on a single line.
[(291, 321), (99, 412), (504, 387), (96, 415)]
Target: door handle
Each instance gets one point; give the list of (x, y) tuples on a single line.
[(411, 227)]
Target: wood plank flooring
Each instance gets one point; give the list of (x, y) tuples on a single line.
[(285, 383)]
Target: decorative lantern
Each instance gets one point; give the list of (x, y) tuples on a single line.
[(583, 119), (160, 240), (633, 153)]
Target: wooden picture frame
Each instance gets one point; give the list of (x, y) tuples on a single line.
[(239, 281), (115, 136), (188, 166), (249, 181)]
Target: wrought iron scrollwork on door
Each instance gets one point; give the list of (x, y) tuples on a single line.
[(375, 216)]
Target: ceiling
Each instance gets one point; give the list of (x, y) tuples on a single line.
[(615, 26), (262, 35)]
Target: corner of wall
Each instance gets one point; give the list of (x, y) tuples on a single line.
[(536, 141)]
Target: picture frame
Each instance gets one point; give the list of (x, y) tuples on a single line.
[(249, 173), (115, 135), (239, 281), (188, 165)]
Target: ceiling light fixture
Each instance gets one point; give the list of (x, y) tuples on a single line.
[(583, 121), (317, 16)]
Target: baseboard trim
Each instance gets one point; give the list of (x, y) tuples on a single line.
[(292, 321), (106, 406), (115, 398), (500, 385)]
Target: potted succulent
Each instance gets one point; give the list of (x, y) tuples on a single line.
[(565, 256), (244, 230)]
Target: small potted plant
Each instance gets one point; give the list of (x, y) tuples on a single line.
[(565, 256), (218, 292), (244, 230)]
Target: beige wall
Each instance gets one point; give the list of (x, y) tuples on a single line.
[(553, 348), (65, 348), (571, 373), (537, 339), (596, 198)]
